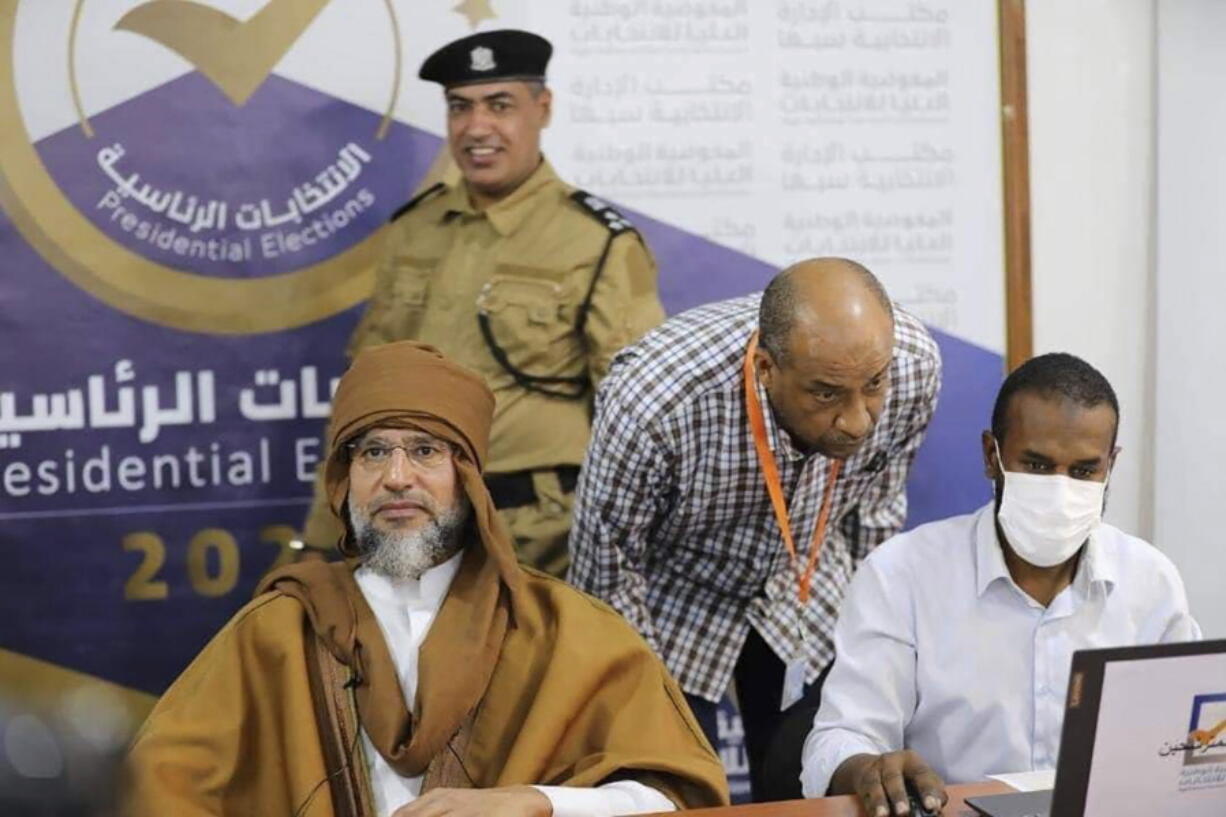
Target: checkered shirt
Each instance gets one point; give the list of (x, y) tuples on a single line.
[(673, 523)]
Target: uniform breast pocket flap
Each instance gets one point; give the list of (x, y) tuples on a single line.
[(534, 301), (411, 280)]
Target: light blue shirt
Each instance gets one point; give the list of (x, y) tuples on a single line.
[(938, 650)]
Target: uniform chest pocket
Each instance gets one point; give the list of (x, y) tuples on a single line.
[(407, 293), (410, 280), (531, 313), (534, 302), (402, 286)]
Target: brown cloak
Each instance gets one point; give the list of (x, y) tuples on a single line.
[(523, 679)]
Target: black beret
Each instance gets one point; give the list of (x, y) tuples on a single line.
[(488, 56)]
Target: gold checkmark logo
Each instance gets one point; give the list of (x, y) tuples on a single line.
[(236, 56)]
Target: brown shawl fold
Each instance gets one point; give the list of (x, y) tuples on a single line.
[(456, 662)]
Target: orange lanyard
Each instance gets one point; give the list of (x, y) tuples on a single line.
[(774, 486)]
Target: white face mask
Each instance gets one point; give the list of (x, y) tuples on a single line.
[(1046, 518)]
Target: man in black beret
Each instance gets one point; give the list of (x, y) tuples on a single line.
[(489, 56), (503, 72), (517, 275)]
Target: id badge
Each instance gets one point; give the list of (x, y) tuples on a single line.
[(793, 683)]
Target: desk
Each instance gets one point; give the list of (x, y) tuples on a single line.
[(848, 806)]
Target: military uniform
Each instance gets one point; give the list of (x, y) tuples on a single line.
[(551, 281)]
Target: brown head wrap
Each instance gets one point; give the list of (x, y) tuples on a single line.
[(408, 384)]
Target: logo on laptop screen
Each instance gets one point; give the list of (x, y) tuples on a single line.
[(1202, 751)]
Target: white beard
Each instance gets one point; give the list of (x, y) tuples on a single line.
[(408, 554)]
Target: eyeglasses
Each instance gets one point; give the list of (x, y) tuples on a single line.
[(376, 455)]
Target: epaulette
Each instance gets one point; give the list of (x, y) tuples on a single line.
[(416, 200), (602, 211)]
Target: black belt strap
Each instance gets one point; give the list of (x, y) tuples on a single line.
[(515, 489)]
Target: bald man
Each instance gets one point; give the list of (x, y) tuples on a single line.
[(746, 456)]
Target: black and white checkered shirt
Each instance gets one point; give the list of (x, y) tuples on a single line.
[(673, 524)]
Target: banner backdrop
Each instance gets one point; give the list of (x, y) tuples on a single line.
[(193, 195)]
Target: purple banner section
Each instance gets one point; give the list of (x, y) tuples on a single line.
[(184, 178), (139, 513), (122, 558), (948, 476), (135, 522)]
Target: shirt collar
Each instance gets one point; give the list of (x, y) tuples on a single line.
[(1094, 567), (427, 591), (506, 214), (989, 558)]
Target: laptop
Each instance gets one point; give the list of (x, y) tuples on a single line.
[(1144, 733)]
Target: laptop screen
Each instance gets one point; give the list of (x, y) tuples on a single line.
[(1145, 732)]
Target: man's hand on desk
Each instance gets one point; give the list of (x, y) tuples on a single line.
[(881, 781), (513, 801)]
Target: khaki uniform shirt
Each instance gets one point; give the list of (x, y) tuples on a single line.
[(528, 261)]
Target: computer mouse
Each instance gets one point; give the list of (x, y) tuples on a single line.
[(917, 806)]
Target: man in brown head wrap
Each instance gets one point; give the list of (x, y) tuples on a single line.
[(429, 675)]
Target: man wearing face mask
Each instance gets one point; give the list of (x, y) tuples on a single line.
[(955, 640)]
